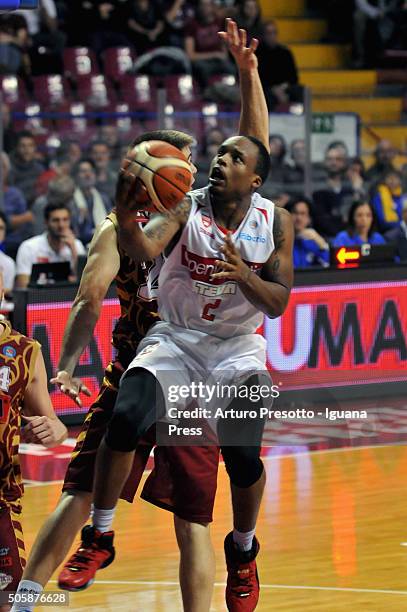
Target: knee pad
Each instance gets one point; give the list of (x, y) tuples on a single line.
[(243, 465)]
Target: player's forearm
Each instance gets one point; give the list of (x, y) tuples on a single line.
[(254, 116), (130, 235), (270, 298), (78, 332)]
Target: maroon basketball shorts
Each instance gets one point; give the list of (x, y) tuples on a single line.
[(183, 480)]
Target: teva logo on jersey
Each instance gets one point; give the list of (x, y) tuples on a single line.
[(13, 5), (200, 267), (250, 238)]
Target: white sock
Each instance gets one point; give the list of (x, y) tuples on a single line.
[(26, 586), (243, 541), (102, 519)]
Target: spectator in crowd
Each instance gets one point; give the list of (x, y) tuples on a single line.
[(60, 166), (388, 200), (379, 16), (106, 177), (73, 150), (91, 205), (278, 167), (9, 133), (177, 13), (277, 69), (249, 18), (25, 169), (385, 155), (334, 198), (46, 42), (294, 172), (203, 45), (56, 244), (398, 235), (211, 143), (105, 23), (59, 191), (360, 228), (15, 207), (11, 60), (145, 25), (7, 265), (109, 134), (310, 248)]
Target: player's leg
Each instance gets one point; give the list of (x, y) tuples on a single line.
[(12, 551), (57, 535), (134, 413), (197, 564)]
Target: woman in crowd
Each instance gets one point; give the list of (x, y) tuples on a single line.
[(361, 227), (310, 249)]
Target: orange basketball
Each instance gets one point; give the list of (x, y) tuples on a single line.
[(163, 171)]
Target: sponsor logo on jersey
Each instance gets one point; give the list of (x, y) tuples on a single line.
[(250, 238), (253, 225), (206, 221), (5, 580), (228, 288), (200, 268), (9, 351)]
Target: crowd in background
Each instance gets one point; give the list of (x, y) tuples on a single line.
[(53, 200)]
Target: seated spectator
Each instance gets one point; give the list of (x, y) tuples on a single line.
[(15, 207), (203, 45), (388, 201), (25, 169), (378, 17), (73, 150), (47, 42), (59, 191), (356, 175), (11, 60), (385, 154), (176, 13), (109, 134), (277, 69), (56, 244), (211, 143), (398, 235), (294, 172), (91, 205), (145, 25), (310, 249), (249, 18), (361, 227), (58, 167), (105, 24), (334, 198), (278, 149), (7, 265), (106, 177)]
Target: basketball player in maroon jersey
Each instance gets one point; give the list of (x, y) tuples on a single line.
[(24, 398)]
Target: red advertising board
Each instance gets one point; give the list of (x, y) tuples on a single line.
[(330, 335)]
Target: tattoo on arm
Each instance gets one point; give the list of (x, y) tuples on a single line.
[(278, 233)]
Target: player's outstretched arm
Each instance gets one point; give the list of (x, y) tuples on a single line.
[(101, 268), (270, 292), (43, 425), (254, 116)]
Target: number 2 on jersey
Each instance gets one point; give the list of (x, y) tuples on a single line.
[(211, 306)]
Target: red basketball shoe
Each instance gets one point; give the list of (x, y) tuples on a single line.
[(95, 552), (242, 587)]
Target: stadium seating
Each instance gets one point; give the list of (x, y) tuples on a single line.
[(117, 62), (95, 90), (12, 89), (79, 62), (139, 91), (51, 90)]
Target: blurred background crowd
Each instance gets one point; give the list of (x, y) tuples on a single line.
[(80, 78)]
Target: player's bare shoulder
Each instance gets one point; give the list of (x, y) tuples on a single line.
[(282, 227)]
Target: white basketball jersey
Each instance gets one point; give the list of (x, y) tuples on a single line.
[(187, 297)]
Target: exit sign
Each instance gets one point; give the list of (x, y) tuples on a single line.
[(323, 123)]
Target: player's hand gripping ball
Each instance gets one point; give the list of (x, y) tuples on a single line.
[(158, 175)]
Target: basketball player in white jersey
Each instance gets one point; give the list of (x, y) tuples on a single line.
[(229, 262)]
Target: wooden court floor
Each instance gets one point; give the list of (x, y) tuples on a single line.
[(333, 534)]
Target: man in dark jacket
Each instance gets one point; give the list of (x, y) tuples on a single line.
[(277, 69), (25, 169)]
